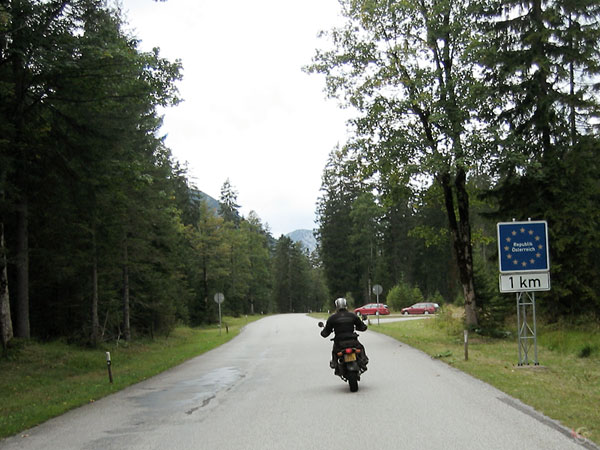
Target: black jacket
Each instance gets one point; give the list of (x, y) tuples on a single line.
[(343, 323)]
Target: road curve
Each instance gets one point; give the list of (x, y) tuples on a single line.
[(271, 388)]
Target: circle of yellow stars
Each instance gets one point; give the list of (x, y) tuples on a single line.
[(539, 246)]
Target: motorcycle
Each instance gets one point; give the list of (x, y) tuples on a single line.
[(348, 362)]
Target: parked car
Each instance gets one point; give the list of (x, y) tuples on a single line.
[(371, 309), (421, 308)]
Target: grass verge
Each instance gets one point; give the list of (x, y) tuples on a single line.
[(41, 381), (565, 387)]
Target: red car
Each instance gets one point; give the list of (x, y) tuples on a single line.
[(371, 309), (420, 308)]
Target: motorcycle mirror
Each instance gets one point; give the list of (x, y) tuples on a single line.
[(321, 325)]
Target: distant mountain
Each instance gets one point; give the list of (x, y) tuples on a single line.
[(212, 204), (305, 237)]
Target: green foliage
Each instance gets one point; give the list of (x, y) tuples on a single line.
[(90, 194), (260, 283), (403, 295), (585, 351), (450, 320), (368, 239), (293, 276), (431, 236), (544, 108), (404, 67), (228, 207), (453, 100), (494, 306), (436, 298), (350, 301), (365, 216), (113, 224), (232, 259), (339, 191), (96, 181)]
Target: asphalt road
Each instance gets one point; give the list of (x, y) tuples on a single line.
[(271, 388)]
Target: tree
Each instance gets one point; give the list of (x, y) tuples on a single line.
[(365, 216), (291, 276), (432, 264), (333, 215), (207, 267), (397, 221), (29, 32), (539, 60), (6, 330), (318, 297), (403, 295), (238, 264), (80, 147), (260, 284), (110, 130), (228, 207), (541, 76), (404, 66), (282, 283)]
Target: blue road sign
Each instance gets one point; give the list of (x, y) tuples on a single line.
[(523, 246)]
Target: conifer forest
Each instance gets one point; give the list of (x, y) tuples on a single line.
[(466, 114)]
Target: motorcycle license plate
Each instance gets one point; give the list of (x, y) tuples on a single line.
[(350, 357)]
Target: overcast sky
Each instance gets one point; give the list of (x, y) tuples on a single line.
[(249, 112)]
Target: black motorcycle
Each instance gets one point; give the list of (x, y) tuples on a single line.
[(348, 361)]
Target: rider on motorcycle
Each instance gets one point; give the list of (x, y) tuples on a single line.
[(343, 323)]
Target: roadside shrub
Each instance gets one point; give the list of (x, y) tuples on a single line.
[(436, 298), (403, 295), (450, 319), (350, 301), (493, 307), (459, 300), (586, 351)]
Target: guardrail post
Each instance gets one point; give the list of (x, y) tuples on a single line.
[(108, 364)]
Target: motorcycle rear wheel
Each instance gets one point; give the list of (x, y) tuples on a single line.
[(353, 381)]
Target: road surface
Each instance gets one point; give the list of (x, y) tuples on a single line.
[(271, 388)]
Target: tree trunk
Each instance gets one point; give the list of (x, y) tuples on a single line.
[(126, 325), (22, 327), (205, 284), (6, 329), (94, 309), (572, 113), (460, 232), (22, 266)]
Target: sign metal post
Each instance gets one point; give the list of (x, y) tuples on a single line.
[(377, 289), (219, 298), (524, 262)]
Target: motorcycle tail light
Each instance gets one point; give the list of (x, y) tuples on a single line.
[(349, 350)]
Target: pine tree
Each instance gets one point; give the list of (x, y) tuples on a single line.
[(334, 234), (81, 149), (228, 207), (545, 56)]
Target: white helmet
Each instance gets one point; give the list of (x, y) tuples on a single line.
[(340, 303)]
